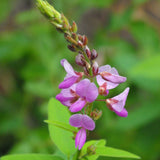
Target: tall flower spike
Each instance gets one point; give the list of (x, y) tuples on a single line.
[(117, 103), (85, 123), (71, 77), (109, 75), (76, 96)]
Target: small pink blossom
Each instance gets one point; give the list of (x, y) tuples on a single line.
[(117, 103), (71, 77), (85, 123), (76, 96), (109, 77)]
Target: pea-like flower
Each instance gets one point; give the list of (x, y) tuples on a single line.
[(71, 77), (85, 123), (108, 78), (117, 103), (78, 95)]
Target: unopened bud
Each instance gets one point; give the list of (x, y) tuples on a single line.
[(70, 39), (96, 114), (88, 52), (80, 37), (103, 89), (80, 60), (80, 44), (91, 150), (74, 27), (72, 48), (86, 71), (95, 68), (85, 40), (66, 24), (94, 54), (74, 36)]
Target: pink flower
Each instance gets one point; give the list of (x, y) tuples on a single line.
[(108, 78), (85, 123), (117, 103), (78, 95), (71, 77)]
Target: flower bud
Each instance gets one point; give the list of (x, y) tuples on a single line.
[(103, 89), (74, 27), (96, 114), (80, 37), (66, 24), (72, 48), (88, 52), (91, 150), (94, 54), (80, 60), (70, 39), (86, 71), (80, 44), (95, 68), (74, 36), (85, 40)]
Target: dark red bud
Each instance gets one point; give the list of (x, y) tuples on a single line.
[(74, 36), (94, 54), (88, 52), (95, 68), (85, 40), (86, 72), (80, 37), (80, 44), (72, 48)]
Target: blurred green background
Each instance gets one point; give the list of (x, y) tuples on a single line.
[(126, 34)]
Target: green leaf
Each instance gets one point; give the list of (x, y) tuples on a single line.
[(149, 68), (96, 143), (64, 126), (63, 139), (31, 157), (112, 152)]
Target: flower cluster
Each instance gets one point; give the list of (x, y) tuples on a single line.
[(79, 90), (78, 93)]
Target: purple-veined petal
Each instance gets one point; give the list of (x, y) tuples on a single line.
[(68, 82), (78, 105), (88, 123), (80, 138), (113, 78), (123, 113), (117, 103), (101, 81), (82, 87), (76, 120), (91, 92), (68, 68)]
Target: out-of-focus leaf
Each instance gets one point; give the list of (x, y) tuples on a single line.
[(113, 152), (62, 138), (140, 116), (31, 157), (149, 68)]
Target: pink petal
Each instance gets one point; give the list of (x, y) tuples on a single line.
[(88, 123), (76, 120), (91, 92), (101, 81), (68, 82), (121, 100), (123, 113), (78, 105), (86, 89), (113, 78), (68, 68), (80, 138)]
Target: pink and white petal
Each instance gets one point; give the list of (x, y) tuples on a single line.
[(78, 105), (82, 87), (114, 78), (114, 71), (68, 68), (118, 106), (76, 120), (80, 138), (88, 123), (123, 113), (67, 92), (68, 82), (111, 85), (105, 68), (91, 92), (123, 95)]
